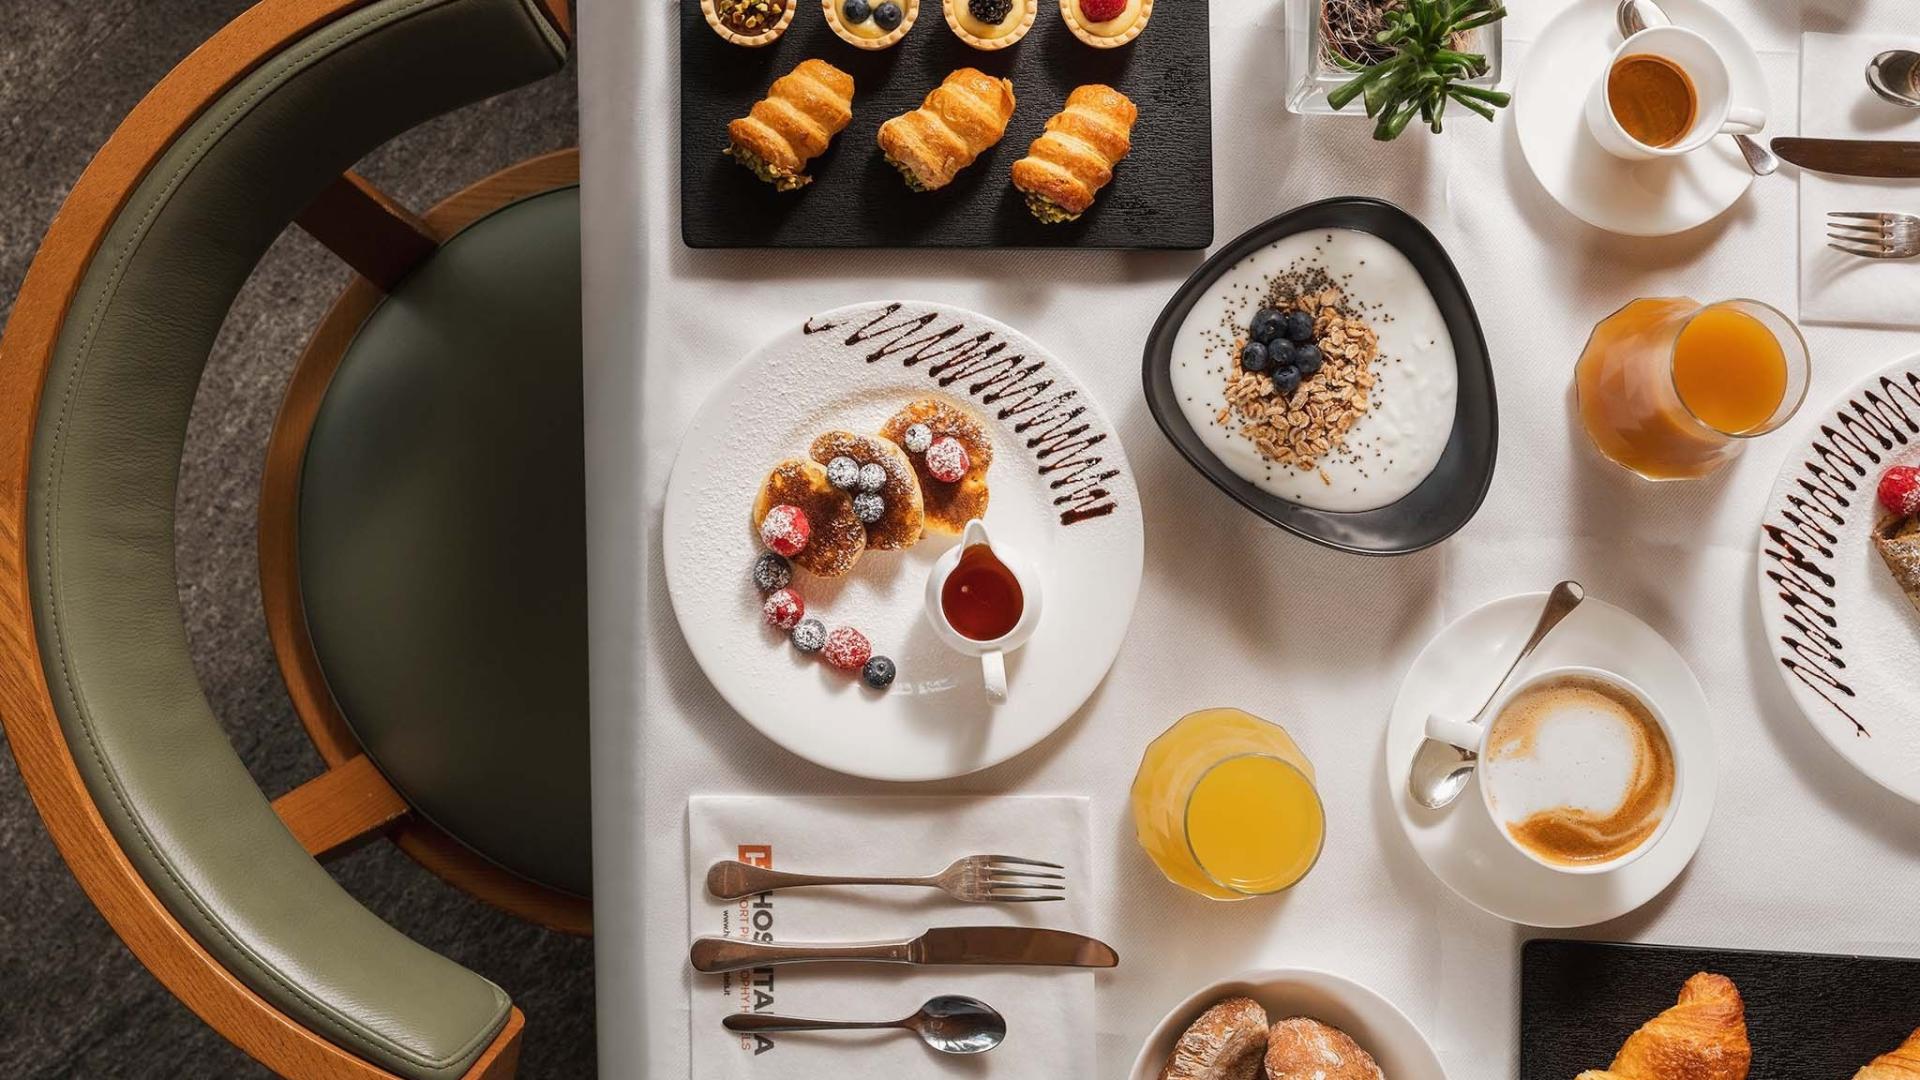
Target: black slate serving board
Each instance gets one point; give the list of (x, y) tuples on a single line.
[(1809, 1017), (1161, 196)]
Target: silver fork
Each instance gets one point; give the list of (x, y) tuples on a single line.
[(976, 879), (1874, 236)]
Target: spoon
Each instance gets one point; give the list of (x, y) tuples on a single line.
[(1633, 16), (950, 1023), (1441, 769), (1895, 75)]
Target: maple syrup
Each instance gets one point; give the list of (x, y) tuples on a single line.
[(981, 598)]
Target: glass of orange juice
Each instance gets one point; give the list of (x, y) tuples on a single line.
[(1225, 805), (1671, 388)]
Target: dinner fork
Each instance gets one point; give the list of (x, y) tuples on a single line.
[(1874, 236), (976, 879)]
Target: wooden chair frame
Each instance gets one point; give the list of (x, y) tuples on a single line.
[(351, 800), (33, 729)]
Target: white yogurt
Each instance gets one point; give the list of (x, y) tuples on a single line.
[(1399, 440)]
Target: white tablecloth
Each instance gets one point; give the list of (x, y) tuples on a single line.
[(1803, 853)]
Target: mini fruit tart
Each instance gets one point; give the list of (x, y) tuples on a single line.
[(871, 24), (991, 24), (1106, 24), (751, 23)]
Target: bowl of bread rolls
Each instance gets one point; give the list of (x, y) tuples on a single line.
[(1287, 1024)]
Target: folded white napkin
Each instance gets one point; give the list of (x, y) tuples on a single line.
[(1049, 1012), (1836, 103)]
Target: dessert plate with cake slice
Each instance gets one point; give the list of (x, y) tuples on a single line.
[(1839, 576), (819, 484)]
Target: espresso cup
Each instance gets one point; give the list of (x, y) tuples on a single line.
[(1714, 111), (1543, 804), (992, 652)]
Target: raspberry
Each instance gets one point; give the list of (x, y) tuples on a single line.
[(1099, 11), (947, 460), (1900, 491), (785, 529), (783, 609), (847, 648)]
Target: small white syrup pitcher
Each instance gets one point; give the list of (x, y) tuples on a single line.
[(991, 651)]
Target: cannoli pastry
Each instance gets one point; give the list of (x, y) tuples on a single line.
[(960, 119), (793, 124), (1069, 164), (1898, 1064)]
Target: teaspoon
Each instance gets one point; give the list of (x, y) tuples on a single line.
[(1633, 16), (1441, 769), (1895, 76), (951, 1024)]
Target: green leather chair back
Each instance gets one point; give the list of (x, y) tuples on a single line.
[(106, 452)]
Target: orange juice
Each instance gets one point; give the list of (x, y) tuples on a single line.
[(1225, 805), (1670, 388)]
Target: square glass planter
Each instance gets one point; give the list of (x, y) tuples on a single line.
[(1312, 74)]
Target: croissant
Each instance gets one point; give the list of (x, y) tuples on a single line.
[(1901, 1064), (1703, 1037), (793, 124), (1074, 159), (960, 119)]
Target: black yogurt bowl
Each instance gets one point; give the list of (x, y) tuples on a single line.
[(1450, 495)]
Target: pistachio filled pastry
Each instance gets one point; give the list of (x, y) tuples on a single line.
[(793, 124), (1069, 164), (960, 119)]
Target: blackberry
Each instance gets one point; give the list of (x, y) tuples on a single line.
[(989, 11)]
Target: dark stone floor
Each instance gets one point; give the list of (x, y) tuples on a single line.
[(73, 1001)]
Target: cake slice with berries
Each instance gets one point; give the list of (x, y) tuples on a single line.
[(1897, 534), (803, 517), (950, 452), (878, 477)]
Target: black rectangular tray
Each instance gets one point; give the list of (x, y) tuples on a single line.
[(1160, 197), (1808, 1016)]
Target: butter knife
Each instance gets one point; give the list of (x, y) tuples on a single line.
[(1852, 157), (1013, 945)]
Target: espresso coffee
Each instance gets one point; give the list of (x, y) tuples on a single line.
[(1653, 99), (1578, 771)]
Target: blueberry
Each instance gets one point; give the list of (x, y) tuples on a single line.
[(843, 472), (1307, 358), (872, 477), (1299, 326), (1280, 353), (878, 672), (1267, 325), (1253, 357), (869, 507), (808, 635), (856, 11), (887, 16), (772, 571), (1286, 379), (919, 437)]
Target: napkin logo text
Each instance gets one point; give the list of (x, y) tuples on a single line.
[(756, 924)]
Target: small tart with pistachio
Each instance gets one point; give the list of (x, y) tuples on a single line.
[(871, 24), (751, 23), (1106, 24), (991, 24)]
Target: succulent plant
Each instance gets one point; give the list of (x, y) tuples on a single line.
[(1427, 70)]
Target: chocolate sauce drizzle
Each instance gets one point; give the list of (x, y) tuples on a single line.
[(1014, 386), (1801, 541)]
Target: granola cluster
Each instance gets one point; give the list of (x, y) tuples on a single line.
[(1298, 429)]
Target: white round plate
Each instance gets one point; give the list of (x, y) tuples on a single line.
[(1461, 844), (1844, 637), (1380, 1028), (1634, 198), (1062, 497)]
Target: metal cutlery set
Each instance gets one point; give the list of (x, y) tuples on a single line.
[(951, 1024)]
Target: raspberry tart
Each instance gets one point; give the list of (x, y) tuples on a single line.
[(871, 24), (1106, 24), (991, 24)]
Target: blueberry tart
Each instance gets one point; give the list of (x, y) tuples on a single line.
[(1106, 24), (871, 24), (751, 23), (991, 24)]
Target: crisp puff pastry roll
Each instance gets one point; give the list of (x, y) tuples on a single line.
[(1074, 159), (793, 124), (960, 119)]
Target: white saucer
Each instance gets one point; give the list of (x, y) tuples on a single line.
[(1461, 844), (1634, 198)]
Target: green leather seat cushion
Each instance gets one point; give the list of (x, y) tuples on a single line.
[(442, 541)]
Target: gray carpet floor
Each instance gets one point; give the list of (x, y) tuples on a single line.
[(73, 1001)]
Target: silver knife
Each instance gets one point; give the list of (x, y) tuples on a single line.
[(1016, 945), (1853, 157)]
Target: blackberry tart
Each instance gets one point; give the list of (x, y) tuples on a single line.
[(871, 24), (990, 24)]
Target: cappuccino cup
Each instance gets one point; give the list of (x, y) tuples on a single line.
[(1578, 768)]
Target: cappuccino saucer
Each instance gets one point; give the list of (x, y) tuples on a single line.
[(1461, 844), (1633, 198)]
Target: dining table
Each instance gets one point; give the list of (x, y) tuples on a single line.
[(1803, 852)]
